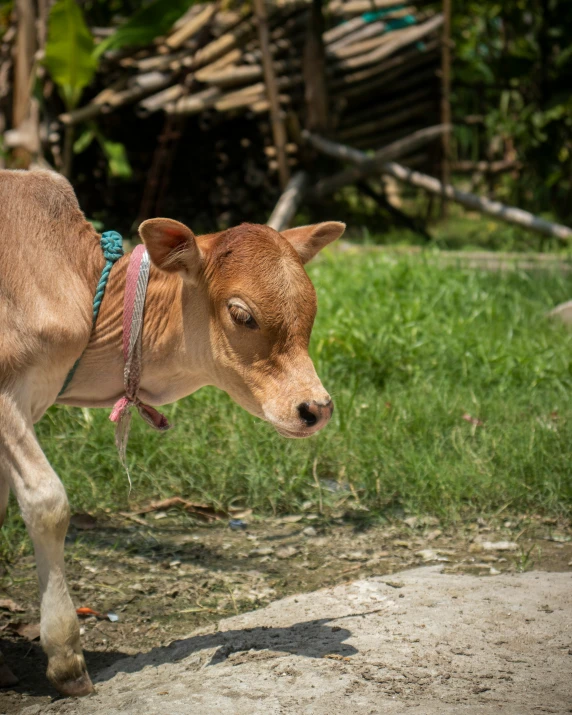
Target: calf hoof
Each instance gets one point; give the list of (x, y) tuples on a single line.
[(70, 679), (75, 688)]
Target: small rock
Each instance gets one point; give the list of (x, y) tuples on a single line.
[(291, 519), (237, 524), (394, 584), (286, 552), (493, 571), (559, 538), (430, 555), (83, 521), (499, 546), (432, 535), (562, 312), (263, 551), (402, 544), (310, 531), (354, 556)]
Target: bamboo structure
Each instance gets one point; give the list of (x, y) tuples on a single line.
[(236, 87)]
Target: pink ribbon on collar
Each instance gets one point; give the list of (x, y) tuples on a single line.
[(133, 308)]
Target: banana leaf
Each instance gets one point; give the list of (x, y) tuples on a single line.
[(69, 51)]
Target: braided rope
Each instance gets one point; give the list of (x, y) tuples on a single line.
[(136, 282), (112, 247)]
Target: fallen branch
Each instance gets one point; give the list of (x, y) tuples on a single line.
[(509, 214), (288, 203), (366, 165)]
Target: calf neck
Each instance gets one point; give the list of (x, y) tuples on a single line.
[(233, 309)]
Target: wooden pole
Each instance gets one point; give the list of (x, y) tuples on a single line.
[(276, 118), (314, 72), (285, 209), (365, 165), (446, 100), (23, 62)]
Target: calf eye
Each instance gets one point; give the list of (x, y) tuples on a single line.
[(241, 316)]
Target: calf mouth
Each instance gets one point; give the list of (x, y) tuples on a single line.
[(295, 434)]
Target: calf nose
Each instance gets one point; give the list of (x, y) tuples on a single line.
[(315, 414)]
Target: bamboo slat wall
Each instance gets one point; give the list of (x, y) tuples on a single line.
[(381, 60)]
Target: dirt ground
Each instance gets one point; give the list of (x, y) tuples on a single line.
[(165, 575)]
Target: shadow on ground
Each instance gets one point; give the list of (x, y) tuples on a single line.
[(311, 639)]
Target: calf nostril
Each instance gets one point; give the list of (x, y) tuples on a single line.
[(309, 417)]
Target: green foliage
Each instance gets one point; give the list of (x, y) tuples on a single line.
[(513, 65), (145, 24), (69, 51), (72, 57), (116, 155), (117, 161)]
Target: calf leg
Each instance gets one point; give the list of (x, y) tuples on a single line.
[(45, 510)]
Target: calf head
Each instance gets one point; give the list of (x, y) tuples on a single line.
[(261, 307)]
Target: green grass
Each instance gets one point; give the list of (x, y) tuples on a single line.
[(406, 347)]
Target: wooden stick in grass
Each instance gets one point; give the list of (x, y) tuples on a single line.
[(288, 203)]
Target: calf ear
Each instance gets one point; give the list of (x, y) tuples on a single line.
[(171, 245), (308, 240)]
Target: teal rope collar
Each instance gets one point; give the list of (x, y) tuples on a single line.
[(112, 247)]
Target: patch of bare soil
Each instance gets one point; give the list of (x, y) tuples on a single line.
[(165, 575)]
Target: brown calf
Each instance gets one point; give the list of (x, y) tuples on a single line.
[(233, 309)]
